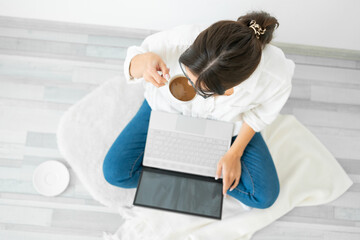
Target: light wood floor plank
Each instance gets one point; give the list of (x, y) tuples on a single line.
[(21, 91), (113, 41), (328, 118), (42, 46), (327, 74), (335, 94), (323, 61), (43, 35), (29, 235), (25, 215), (38, 120), (52, 64)]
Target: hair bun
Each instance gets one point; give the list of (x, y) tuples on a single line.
[(261, 24)]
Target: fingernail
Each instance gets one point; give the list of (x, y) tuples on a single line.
[(167, 77), (231, 189)]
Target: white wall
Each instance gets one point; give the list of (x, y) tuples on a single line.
[(327, 23)]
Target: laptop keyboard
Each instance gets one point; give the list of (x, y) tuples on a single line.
[(184, 149)]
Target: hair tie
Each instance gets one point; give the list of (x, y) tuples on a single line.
[(257, 29)]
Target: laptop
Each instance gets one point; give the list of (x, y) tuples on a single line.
[(180, 162)]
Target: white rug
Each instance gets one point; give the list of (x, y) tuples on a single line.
[(308, 173)]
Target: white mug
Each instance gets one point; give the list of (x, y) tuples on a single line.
[(171, 96)]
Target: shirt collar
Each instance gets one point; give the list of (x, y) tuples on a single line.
[(250, 83)]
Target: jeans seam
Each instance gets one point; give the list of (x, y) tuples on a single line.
[(241, 191), (135, 163), (252, 182)]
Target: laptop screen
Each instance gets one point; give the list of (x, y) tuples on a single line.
[(179, 192)]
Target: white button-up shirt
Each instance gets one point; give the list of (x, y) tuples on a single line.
[(257, 100)]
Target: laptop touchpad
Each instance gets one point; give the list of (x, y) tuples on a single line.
[(191, 125)]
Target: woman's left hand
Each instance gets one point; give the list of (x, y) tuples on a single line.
[(230, 167)]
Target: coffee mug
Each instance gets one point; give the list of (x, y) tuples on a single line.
[(179, 89)]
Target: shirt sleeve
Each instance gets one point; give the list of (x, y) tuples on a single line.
[(132, 51), (265, 113), (166, 44), (158, 43)]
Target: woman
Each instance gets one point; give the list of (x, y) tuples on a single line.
[(239, 77)]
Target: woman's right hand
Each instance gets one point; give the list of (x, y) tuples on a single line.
[(146, 65)]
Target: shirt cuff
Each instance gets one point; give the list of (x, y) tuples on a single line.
[(132, 51)]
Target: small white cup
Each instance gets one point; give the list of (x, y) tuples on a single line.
[(174, 99)]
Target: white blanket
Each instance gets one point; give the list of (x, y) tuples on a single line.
[(308, 173)]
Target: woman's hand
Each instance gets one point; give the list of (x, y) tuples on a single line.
[(146, 65), (230, 167)]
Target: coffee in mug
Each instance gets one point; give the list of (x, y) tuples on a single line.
[(180, 89)]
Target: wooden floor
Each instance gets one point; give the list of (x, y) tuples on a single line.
[(45, 67)]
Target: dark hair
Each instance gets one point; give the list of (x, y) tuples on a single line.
[(228, 52)]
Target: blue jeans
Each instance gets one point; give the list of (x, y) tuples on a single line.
[(258, 186)]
